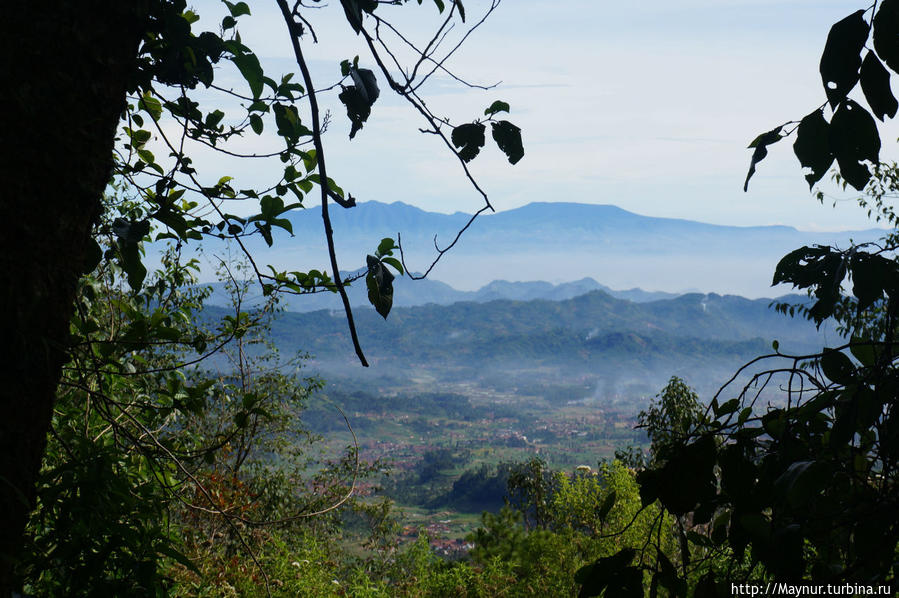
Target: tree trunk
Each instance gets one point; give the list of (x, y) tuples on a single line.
[(65, 66)]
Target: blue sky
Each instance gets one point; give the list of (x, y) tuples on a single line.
[(646, 105)]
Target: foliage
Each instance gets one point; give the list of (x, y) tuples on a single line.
[(806, 487), (671, 416), (150, 458), (174, 60), (851, 137)]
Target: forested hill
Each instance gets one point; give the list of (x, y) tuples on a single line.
[(594, 331)]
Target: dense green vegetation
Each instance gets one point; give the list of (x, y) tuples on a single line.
[(180, 451)]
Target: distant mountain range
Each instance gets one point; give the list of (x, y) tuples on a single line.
[(409, 293), (555, 242)]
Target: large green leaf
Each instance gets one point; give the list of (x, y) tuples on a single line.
[(251, 70)]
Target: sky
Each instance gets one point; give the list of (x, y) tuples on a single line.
[(645, 105)]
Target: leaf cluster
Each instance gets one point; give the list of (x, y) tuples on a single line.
[(851, 137)]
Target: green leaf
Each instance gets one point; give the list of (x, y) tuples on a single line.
[(497, 106), (214, 118), (875, 80), (379, 281), (169, 551), (251, 70), (385, 247), (238, 9), (841, 59), (470, 139), (397, 265), (812, 146), (886, 33), (508, 138), (760, 145), (150, 105), (727, 407), (256, 123)]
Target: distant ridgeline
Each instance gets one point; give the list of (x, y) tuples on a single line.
[(701, 337), (408, 293), (554, 241)]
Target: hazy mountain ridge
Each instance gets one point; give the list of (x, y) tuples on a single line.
[(409, 293), (593, 330), (555, 241)]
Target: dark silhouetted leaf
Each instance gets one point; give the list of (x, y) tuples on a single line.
[(812, 146), (93, 255), (875, 81), (872, 276), (760, 144), (841, 59), (607, 504), (802, 481), (508, 138), (707, 588), (886, 33), (837, 367), (469, 138), (820, 268), (359, 98), (353, 10), (611, 575), (366, 83), (853, 140), (379, 281)]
